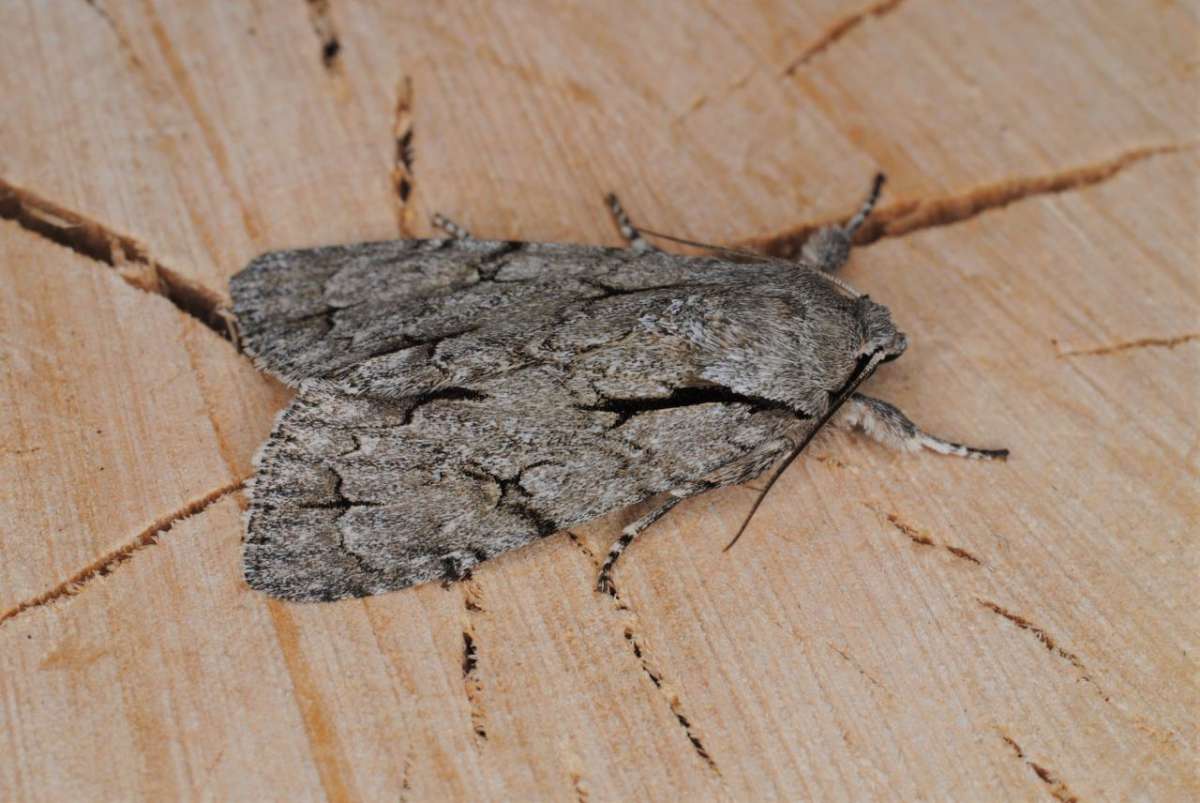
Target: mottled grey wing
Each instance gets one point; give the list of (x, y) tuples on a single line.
[(462, 398), (317, 313), (406, 318), (357, 495)]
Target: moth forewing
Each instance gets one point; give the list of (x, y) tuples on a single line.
[(461, 398)]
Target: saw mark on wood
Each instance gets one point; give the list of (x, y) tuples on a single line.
[(209, 131), (1058, 790), (107, 563), (122, 40), (651, 671), (334, 770), (702, 101), (527, 73), (233, 455), (1126, 345), (907, 215), (845, 655), (1047, 641), (102, 12), (130, 258), (838, 29)]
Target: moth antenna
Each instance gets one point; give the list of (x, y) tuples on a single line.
[(741, 252), (842, 283), (862, 376), (720, 249), (864, 211)]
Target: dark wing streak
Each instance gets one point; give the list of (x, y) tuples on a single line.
[(861, 376)]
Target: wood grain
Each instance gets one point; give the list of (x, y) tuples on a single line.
[(891, 626)]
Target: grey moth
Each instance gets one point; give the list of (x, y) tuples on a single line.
[(458, 398)]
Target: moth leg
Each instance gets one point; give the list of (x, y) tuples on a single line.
[(604, 581), (449, 226), (829, 248), (637, 243), (454, 570), (885, 423)]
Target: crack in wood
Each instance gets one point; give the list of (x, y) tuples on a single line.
[(472, 686), (1126, 345), (914, 535), (403, 176), (129, 258), (406, 775), (321, 19), (838, 29), (579, 787), (1047, 641), (905, 216), (920, 538), (1058, 790), (959, 552), (137, 268), (652, 672), (109, 561), (472, 595)]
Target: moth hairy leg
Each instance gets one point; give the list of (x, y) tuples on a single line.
[(449, 226), (604, 581), (454, 569), (636, 242), (888, 425), (829, 248)]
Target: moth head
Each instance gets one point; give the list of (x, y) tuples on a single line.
[(879, 334)]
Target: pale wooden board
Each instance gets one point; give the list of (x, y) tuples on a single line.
[(829, 655), (85, 459)]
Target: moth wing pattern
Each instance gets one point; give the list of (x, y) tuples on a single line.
[(461, 398), (357, 495), (312, 313)]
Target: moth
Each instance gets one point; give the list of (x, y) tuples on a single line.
[(459, 398)]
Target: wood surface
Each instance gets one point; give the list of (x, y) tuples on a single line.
[(890, 627)]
